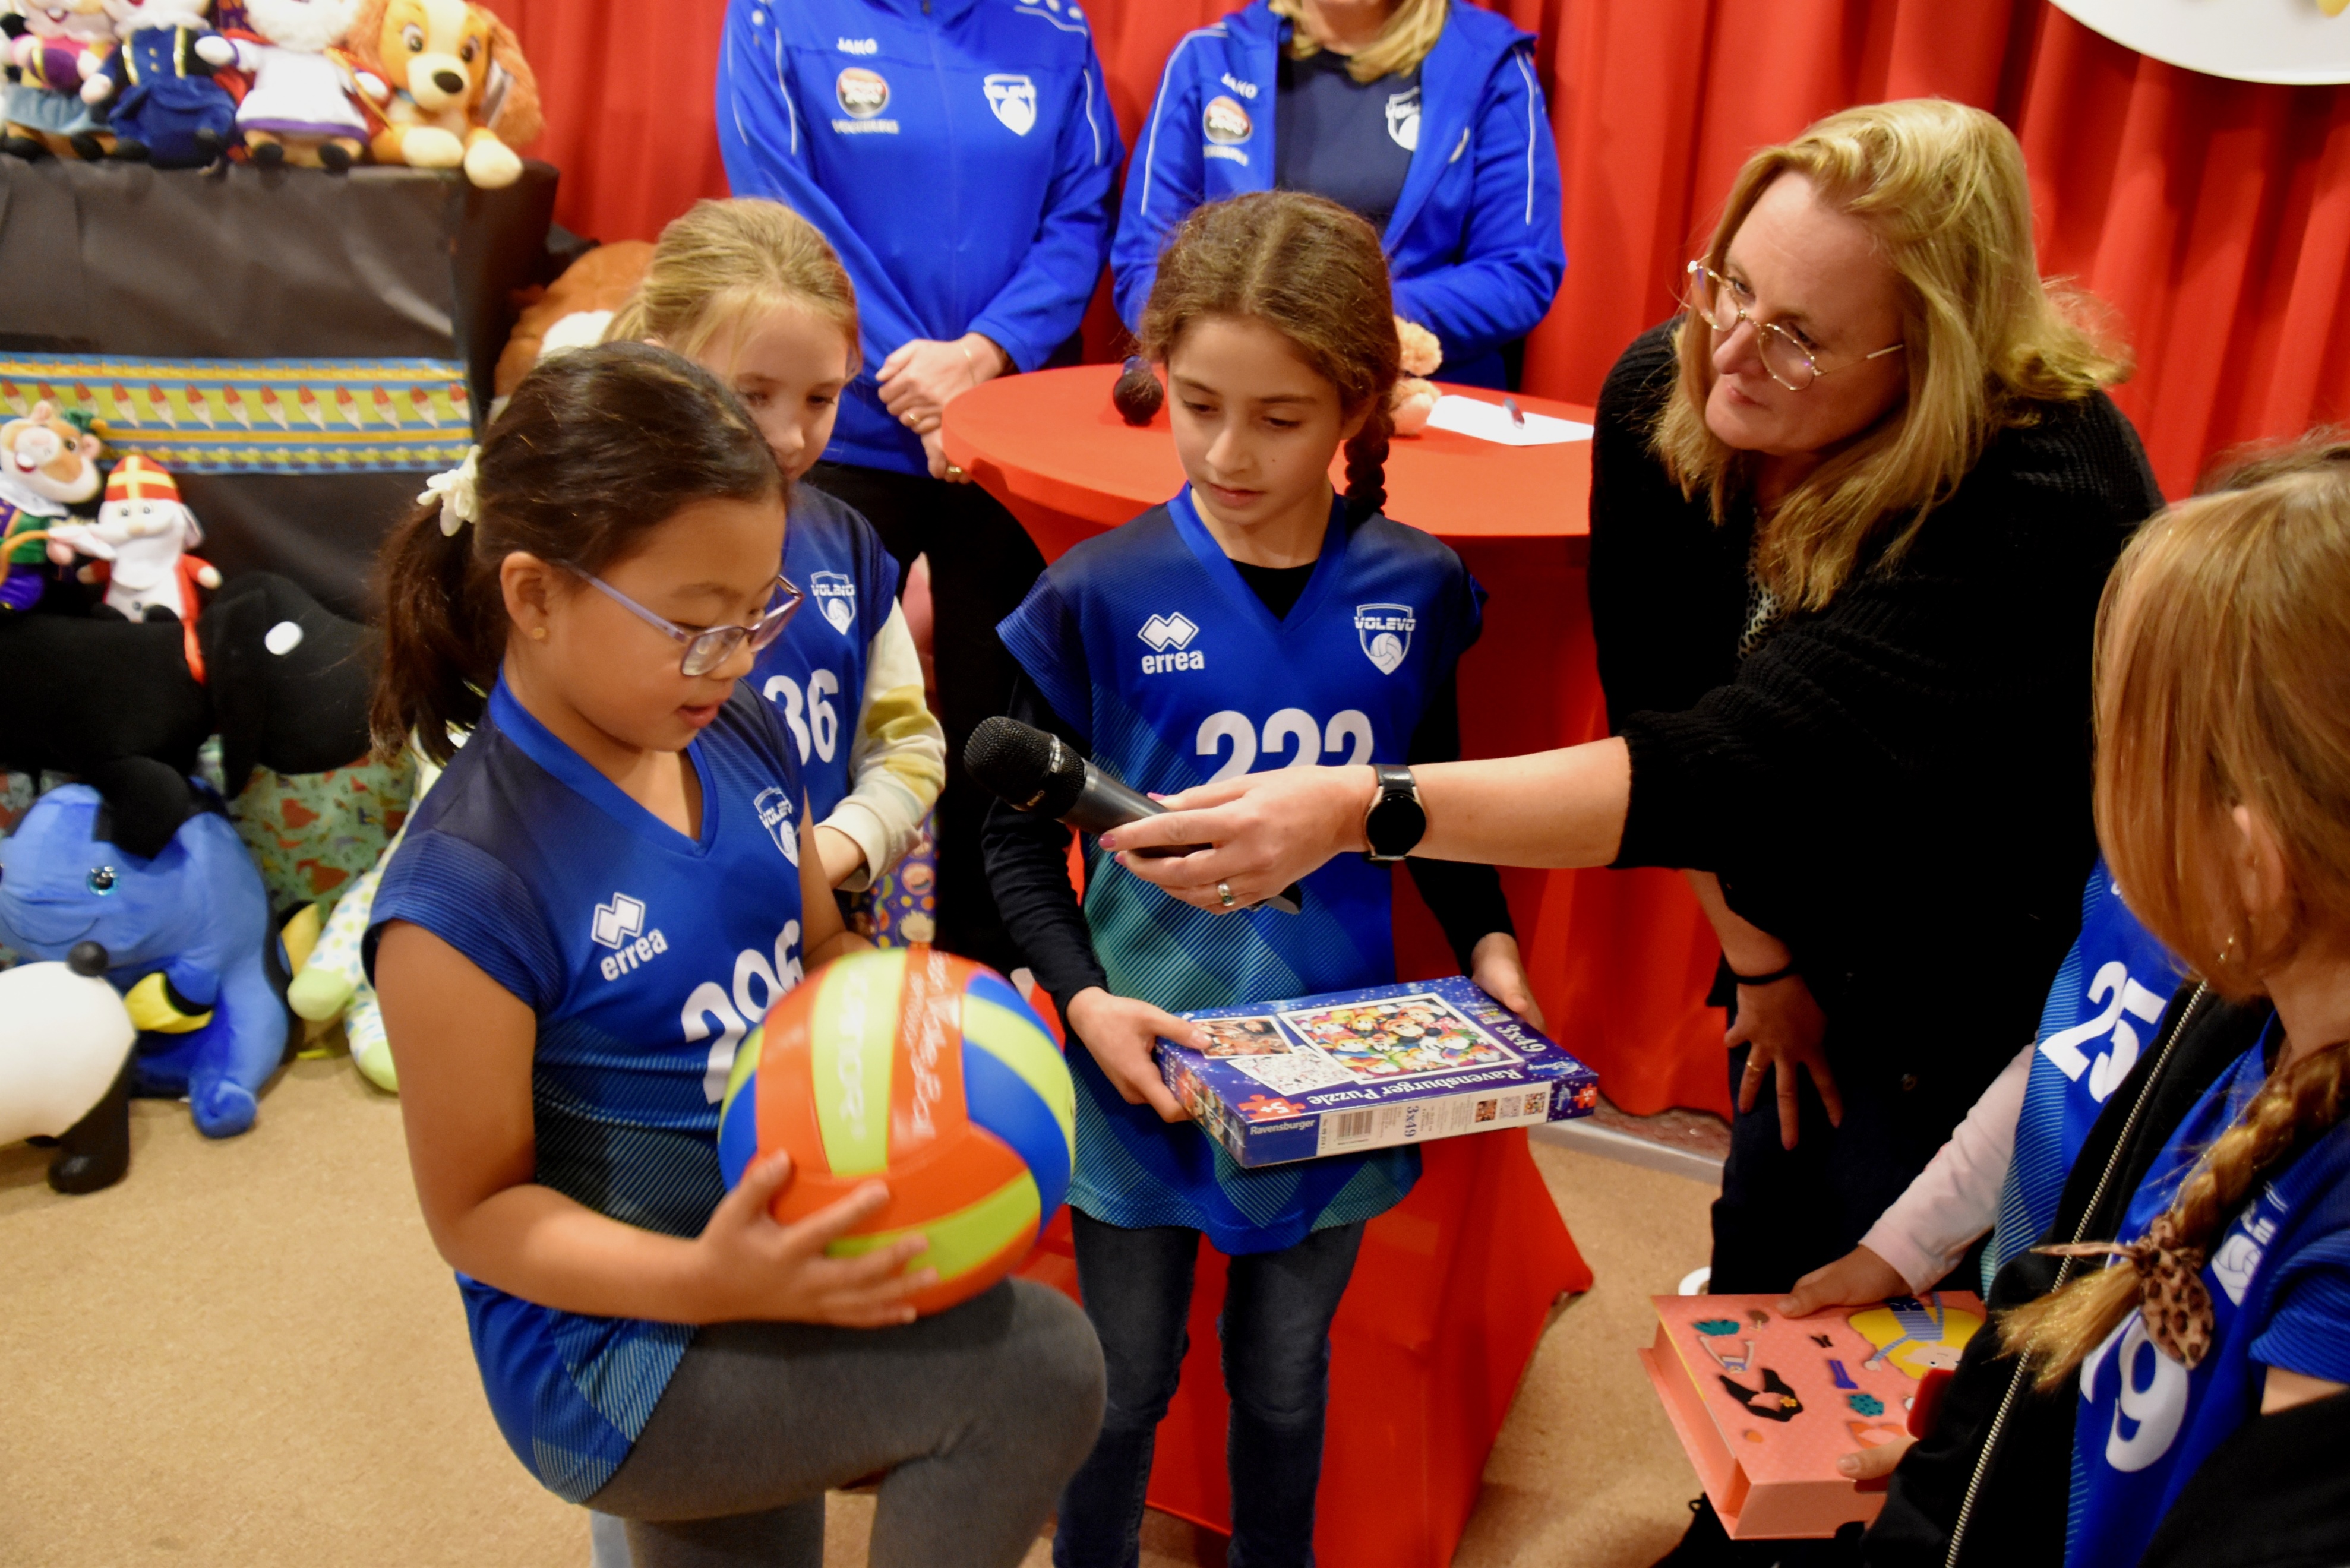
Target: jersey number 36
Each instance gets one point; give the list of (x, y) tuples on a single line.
[(814, 722)]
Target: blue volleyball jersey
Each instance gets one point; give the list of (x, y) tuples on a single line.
[(1153, 648), (815, 672), (647, 956), (2103, 1009), (2279, 1279)]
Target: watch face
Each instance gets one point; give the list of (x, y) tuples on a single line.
[(1395, 823)]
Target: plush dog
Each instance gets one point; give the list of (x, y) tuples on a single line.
[(166, 107), (48, 463), (146, 864), (65, 1067), (52, 46), (451, 86), (300, 109)]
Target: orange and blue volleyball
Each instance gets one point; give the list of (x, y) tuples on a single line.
[(926, 1072)]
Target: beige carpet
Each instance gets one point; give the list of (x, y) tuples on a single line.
[(247, 1354)]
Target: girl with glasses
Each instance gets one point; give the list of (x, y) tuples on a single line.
[(613, 880)]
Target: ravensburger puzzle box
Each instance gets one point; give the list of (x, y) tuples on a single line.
[(1356, 1070)]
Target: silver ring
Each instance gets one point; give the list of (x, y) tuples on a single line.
[(1224, 893)]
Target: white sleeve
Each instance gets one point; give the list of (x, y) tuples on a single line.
[(897, 761), (1955, 1197)]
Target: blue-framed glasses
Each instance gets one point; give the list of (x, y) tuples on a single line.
[(706, 650)]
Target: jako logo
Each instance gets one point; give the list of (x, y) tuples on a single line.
[(774, 808), (860, 45), (620, 926), (1246, 89), (1384, 633)]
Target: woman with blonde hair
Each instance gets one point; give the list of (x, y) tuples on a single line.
[(2178, 1350), (1421, 116), (1851, 512)]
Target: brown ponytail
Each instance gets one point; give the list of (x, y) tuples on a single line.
[(1315, 273), (594, 450), (2223, 681)]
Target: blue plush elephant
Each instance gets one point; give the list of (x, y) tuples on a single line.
[(192, 912)]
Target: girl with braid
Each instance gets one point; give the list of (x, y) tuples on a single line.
[(1257, 620), (2180, 1344)]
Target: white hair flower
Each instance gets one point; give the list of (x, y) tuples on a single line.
[(456, 493)]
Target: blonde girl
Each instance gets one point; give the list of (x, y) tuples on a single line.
[(748, 290)]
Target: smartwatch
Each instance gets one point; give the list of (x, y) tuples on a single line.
[(1396, 821)]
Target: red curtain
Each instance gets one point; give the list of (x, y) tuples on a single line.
[(2212, 217)]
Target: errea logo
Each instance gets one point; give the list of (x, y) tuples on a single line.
[(1171, 637), (620, 926), (1162, 632)]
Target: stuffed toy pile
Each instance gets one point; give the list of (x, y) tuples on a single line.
[(319, 84), (121, 655)]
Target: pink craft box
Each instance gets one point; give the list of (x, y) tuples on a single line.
[(1766, 1453)]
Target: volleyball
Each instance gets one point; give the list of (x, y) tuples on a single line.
[(928, 1072)]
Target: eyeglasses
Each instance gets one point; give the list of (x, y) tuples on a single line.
[(706, 650), (1715, 300)]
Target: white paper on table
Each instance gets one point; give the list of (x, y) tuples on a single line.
[(1490, 421)]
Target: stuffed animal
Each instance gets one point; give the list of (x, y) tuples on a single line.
[(48, 462), (141, 536), (299, 109), (65, 1067), (152, 869), (167, 108), (52, 46), (286, 685), (332, 982), (449, 83)]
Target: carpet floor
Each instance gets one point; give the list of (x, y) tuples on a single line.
[(247, 1353)]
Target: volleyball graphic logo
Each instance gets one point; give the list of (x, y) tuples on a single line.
[(928, 1072)]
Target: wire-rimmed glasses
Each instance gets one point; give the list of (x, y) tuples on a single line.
[(1721, 303), (706, 650)]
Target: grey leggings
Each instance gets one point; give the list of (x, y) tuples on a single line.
[(978, 1415)]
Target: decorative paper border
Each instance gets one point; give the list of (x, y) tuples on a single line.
[(256, 416)]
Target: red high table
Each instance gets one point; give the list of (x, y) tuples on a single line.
[(1453, 1285)]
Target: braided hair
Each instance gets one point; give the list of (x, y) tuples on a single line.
[(2223, 681), (1315, 273)]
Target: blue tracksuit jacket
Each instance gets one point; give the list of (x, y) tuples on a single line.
[(1474, 243), (959, 154)]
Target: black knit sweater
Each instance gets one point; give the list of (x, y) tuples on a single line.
[(1897, 786)]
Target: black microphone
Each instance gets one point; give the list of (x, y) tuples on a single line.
[(1033, 771)]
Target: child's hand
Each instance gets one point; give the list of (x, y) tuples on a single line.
[(1859, 1278), (1120, 1033), (753, 1268), (1496, 964), (1874, 1464)]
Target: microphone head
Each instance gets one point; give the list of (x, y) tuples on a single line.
[(1025, 767)]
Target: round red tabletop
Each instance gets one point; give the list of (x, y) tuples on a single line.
[(1052, 448)]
